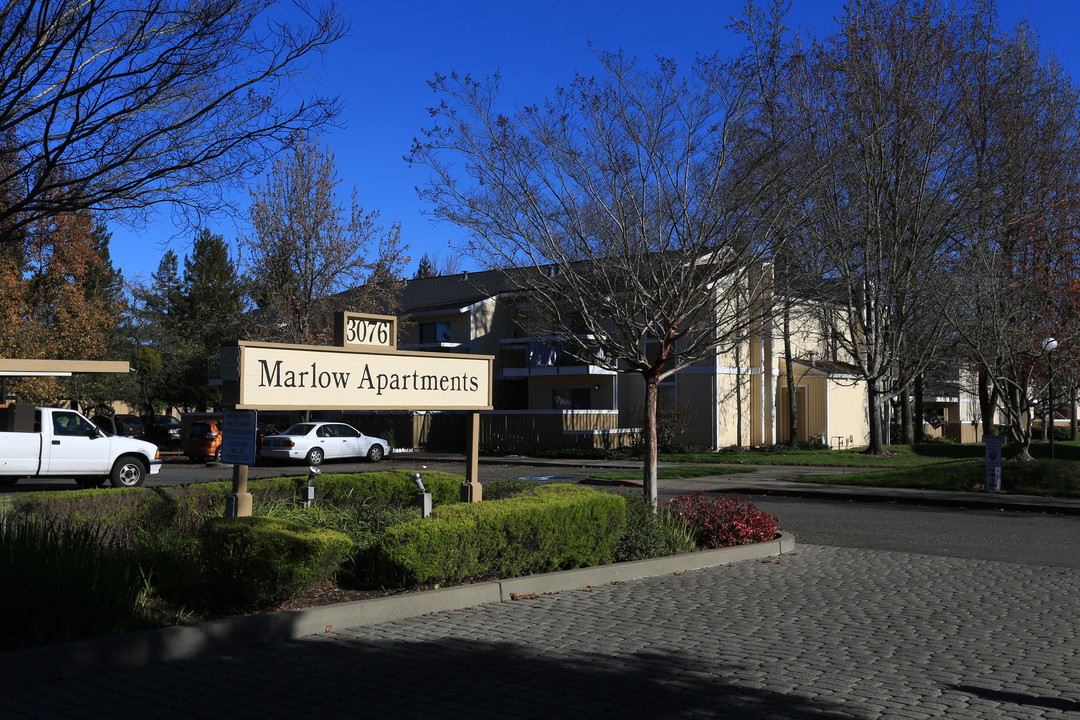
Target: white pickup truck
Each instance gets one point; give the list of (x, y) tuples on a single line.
[(51, 442)]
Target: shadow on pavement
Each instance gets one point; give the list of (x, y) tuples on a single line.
[(338, 676), (1024, 699)]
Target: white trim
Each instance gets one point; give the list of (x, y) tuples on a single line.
[(737, 370), (828, 413), (541, 338), (450, 310), (550, 371), (421, 346), (697, 370), (549, 412), (28, 373)]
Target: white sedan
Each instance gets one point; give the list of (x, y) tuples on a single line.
[(314, 442)]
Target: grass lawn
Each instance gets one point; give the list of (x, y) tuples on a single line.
[(671, 472), (1047, 478), (903, 456), (933, 466)]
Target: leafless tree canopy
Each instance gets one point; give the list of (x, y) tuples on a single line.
[(620, 196), (121, 105), (310, 255)]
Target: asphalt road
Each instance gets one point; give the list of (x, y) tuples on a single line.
[(178, 470), (1020, 537)]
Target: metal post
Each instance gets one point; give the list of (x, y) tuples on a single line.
[(471, 491), (423, 497), (1049, 345), (1050, 362)]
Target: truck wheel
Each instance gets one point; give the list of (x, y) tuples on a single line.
[(375, 453), (315, 457), (8, 480), (90, 481), (128, 472)]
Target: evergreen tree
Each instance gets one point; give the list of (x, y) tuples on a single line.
[(425, 268), (209, 308)]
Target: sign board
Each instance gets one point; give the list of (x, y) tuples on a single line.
[(358, 330), (994, 443), (238, 437), (301, 377)]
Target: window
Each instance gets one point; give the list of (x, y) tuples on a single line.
[(571, 399), (70, 424), (434, 332), (346, 431)]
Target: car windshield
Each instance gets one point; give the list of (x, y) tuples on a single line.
[(165, 421), (299, 429)]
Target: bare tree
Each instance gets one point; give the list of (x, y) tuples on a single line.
[(310, 256), (122, 105), (1016, 274), (618, 199), (880, 100)]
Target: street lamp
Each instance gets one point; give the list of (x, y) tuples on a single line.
[(1049, 346)]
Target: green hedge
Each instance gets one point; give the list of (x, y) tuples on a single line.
[(557, 527), (259, 562)]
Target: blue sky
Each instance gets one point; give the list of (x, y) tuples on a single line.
[(381, 71)]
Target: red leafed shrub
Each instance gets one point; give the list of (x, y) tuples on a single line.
[(722, 522)]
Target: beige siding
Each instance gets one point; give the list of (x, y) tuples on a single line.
[(847, 415)]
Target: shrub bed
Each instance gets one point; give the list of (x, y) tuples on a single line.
[(554, 527), (63, 582), (121, 512), (256, 562), (720, 522)]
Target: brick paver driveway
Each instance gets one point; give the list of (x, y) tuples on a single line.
[(822, 633)]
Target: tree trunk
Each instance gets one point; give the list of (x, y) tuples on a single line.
[(649, 482), (920, 410), (1072, 415), (738, 396), (987, 402), (1020, 430), (873, 400), (907, 420), (792, 404)]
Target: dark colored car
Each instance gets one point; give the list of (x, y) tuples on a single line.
[(162, 430), (126, 425), (204, 439)]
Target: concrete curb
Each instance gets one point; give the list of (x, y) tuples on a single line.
[(93, 657)]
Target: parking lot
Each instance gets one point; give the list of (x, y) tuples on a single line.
[(178, 470)]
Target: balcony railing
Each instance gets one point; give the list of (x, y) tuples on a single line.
[(533, 356)]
